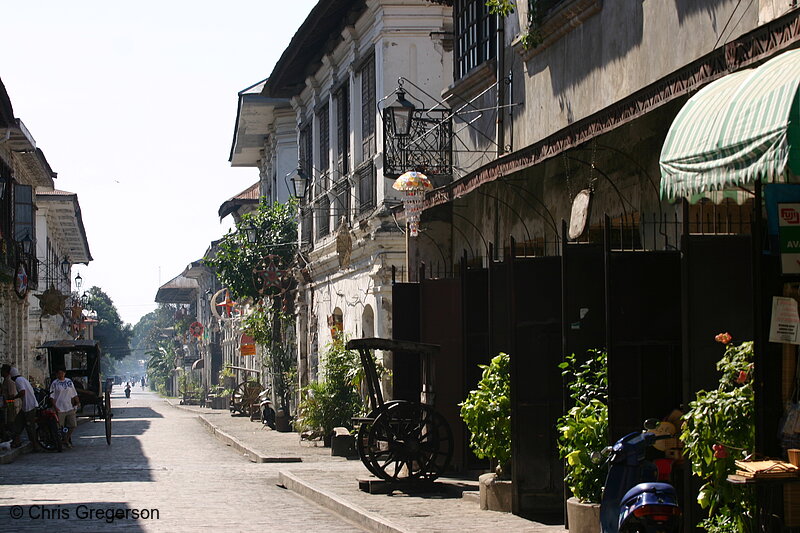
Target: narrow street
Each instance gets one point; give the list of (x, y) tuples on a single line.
[(161, 463)]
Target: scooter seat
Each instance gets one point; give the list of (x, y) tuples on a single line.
[(657, 490)]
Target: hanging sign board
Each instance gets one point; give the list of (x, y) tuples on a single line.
[(247, 345), (784, 327), (789, 235)]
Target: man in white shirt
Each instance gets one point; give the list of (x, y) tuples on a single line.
[(65, 398), (26, 418)]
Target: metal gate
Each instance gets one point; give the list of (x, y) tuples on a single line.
[(534, 287)]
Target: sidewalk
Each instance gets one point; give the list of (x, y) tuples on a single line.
[(332, 482)]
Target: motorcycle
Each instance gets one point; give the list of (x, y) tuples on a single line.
[(635, 498)]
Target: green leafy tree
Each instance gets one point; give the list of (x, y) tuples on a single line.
[(160, 365), (236, 257), (584, 427), (487, 411), (719, 429), (113, 334)]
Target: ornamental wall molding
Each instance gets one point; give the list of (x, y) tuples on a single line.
[(756, 46)]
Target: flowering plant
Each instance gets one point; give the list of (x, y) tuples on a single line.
[(719, 429)]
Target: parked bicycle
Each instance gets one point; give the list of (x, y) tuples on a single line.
[(49, 432)]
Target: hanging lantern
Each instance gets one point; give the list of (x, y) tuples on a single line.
[(413, 186)]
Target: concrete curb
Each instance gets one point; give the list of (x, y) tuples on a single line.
[(239, 446), (351, 512)]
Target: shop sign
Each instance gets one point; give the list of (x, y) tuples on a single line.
[(784, 326), (789, 234), (247, 345)]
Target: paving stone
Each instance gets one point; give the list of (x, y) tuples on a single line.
[(333, 482), (160, 458)]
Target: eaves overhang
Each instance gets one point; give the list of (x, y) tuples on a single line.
[(6, 110), (64, 212), (248, 197), (254, 115), (178, 290), (318, 35), (18, 139)]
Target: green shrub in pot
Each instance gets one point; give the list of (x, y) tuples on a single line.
[(487, 412), (584, 427)]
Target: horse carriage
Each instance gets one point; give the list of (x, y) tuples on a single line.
[(81, 359)]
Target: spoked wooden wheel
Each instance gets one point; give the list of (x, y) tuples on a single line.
[(107, 413), (409, 441), (245, 396), (362, 438)]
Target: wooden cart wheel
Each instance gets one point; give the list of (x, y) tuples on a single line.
[(107, 413), (408, 441), (245, 396), (362, 438)]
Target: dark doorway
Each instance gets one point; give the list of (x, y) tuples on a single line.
[(536, 386)]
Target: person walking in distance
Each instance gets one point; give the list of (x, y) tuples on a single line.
[(65, 400), (26, 417)]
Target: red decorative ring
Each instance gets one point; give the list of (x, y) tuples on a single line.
[(196, 329)]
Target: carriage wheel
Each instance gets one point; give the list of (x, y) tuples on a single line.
[(107, 413), (362, 438), (245, 396), (409, 440)]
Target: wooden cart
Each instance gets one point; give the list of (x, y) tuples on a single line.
[(402, 440)]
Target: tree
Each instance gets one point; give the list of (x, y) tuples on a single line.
[(236, 258), (113, 334)]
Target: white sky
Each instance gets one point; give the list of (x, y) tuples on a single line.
[(134, 105)]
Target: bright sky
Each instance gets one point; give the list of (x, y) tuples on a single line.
[(134, 105)]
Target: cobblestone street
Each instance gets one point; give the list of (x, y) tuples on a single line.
[(163, 466)]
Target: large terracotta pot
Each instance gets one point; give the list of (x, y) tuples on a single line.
[(583, 517)]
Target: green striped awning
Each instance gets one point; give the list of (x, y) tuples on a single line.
[(735, 131)]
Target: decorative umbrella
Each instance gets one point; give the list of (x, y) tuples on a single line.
[(413, 185)]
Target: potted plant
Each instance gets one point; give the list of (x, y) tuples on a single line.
[(487, 414), (334, 400), (582, 430), (718, 429)]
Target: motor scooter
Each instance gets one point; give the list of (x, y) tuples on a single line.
[(633, 498)]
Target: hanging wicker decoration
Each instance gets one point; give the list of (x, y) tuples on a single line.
[(413, 185)]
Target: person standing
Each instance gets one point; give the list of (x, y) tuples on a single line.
[(9, 392), (26, 417), (65, 400)]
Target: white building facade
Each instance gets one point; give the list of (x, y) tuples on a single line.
[(320, 109)]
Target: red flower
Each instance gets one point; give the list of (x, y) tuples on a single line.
[(724, 338), (720, 452), (742, 377)]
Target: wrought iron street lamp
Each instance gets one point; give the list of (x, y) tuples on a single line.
[(400, 113), (65, 265), (27, 244), (78, 282), (251, 232), (299, 182)]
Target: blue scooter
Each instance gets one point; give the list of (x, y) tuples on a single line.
[(633, 499)]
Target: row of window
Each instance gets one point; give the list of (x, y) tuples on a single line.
[(475, 31), (331, 192)]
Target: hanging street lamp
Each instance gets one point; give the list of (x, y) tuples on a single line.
[(401, 112), (299, 182)]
